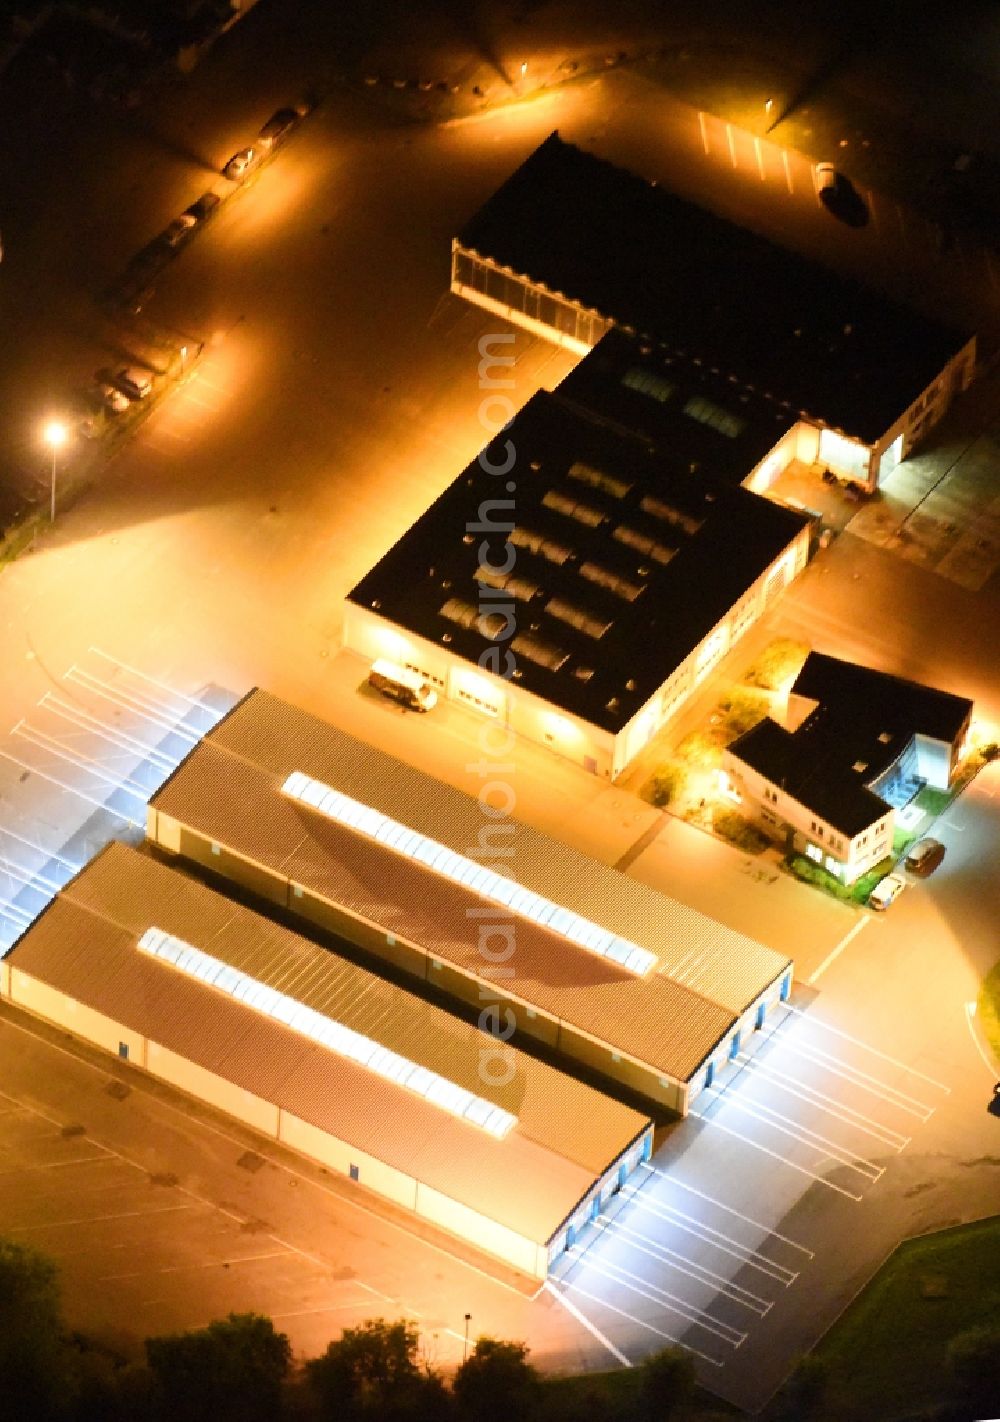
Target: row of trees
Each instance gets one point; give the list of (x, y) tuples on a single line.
[(240, 1369)]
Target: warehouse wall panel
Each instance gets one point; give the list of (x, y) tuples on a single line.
[(486, 1234), (206, 1086), (81, 1021), (338, 1155)]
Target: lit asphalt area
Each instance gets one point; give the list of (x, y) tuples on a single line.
[(337, 394)]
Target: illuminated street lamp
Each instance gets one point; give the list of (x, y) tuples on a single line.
[(465, 1349), (55, 436)]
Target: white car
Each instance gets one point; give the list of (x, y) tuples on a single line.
[(886, 891), (241, 163)]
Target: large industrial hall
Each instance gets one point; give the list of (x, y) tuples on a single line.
[(869, 376), (325, 1058), (607, 973)]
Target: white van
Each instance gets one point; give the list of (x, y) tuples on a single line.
[(400, 684)]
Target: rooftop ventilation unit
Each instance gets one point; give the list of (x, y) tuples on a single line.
[(576, 617), (532, 542), (642, 543), (605, 578), (534, 649), (597, 479), (518, 587), (488, 624), (566, 504), (661, 510)]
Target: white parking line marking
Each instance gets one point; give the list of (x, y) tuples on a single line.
[(788, 172), (49, 853), (874, 1051), (748, 1140), (132, 703), (760, 158), (663, 1298), (835, 953), (751, 1258), (732, 143), (112, 734), (72, 790), (661, 1253), (660, 1333), (802, 1134), (836, 1066), (591, 1328), (704, 132), (710, 1199), (847, 1114), (186, 1268), (97, 1219), (86, 763)]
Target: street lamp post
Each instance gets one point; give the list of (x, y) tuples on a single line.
[(55, 436), (465, 1349)]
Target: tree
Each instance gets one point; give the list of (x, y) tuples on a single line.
[(805, 1390), (974, 1363), (232, 1371), (496, 1382), (667, 1383), (32, 1372), (374, 1372)]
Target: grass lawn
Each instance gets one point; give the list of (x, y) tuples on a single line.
[(886, 1355), (988, 1011)]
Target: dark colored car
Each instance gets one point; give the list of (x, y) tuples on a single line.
[(278, 125), (924, 857), (203, 207)]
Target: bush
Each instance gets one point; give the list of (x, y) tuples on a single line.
[(805, 1390), (974, 1363), (742, 711), (780, 660), (661, 788), (738, 831), (667, 1383)]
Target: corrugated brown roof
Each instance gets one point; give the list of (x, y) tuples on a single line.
[(86, 945), (708, 973)]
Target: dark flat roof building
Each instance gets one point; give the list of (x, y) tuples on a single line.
[(571, 246), (622, 559), (653, 262)]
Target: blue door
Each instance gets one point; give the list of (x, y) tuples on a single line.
[(786, 987), (734, 1047), (709, 1074), (761, 1013)]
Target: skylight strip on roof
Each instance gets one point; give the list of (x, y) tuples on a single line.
[(457, 868), (329, 1033)]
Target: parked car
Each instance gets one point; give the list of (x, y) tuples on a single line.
[(179, 230), (400, 684), (202, 207), (278, 125), (112, 398), (886, 891), (135, 382), (242, 163), (924, 856), (827, 178)]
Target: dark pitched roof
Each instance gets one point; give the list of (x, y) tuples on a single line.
[(864, 719), (812, 773), (624, 561), (654, 262), (862, 696), (696, 415)]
